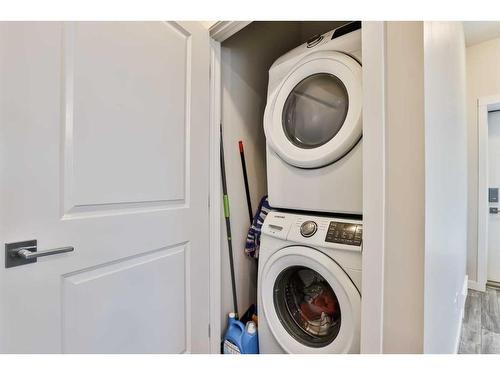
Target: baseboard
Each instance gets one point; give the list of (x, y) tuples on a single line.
[(474, 285), (463, 297)]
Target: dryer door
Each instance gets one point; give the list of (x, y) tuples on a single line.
[(315, 116), (309, 303)]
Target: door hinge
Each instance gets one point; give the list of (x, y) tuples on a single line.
[(209, 333)]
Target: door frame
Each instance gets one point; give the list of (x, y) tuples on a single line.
[(219, 32), (484, 105), (374, 51)]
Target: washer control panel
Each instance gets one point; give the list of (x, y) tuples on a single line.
[(324, 231), (344, 233)]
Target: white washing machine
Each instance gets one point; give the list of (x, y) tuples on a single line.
[(313, 125), (309, 298)]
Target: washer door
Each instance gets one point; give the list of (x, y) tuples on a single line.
[(315, 116), (309, 302)]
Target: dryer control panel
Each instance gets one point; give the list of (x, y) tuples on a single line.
[(344, 233)]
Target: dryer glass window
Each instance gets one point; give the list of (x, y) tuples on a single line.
[(315, 110), (307, 306)]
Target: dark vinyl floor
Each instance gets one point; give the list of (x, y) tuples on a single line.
[(481, 324)]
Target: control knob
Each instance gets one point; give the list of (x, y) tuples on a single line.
[(308, 228)]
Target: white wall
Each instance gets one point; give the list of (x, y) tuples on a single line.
[(425, 186), (374, 54), (445, 185), (208, 24), (404, 189), (483, 79)]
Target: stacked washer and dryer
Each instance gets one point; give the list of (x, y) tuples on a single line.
[(310, 256)]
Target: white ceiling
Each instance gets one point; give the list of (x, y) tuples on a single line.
[(480, 31)]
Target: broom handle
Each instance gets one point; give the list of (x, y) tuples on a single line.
[(228, 222)]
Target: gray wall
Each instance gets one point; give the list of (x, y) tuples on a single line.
[(445, 185), (310, 29)]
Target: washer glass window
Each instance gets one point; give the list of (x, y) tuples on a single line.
[(315, 110), (307, 306)]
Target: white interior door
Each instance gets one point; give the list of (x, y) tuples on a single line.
[(494, 182), (104, 145)]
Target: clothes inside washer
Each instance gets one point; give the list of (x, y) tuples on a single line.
[(312, 302)]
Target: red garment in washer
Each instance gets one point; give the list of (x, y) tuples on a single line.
[(324, 302)]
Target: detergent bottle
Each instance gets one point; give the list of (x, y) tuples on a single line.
[(250, 339), (240, 339)]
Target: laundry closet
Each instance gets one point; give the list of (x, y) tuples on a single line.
[(245, 60)]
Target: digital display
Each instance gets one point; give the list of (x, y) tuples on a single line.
[(344, 233)]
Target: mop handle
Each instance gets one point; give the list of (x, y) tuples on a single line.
[(225, 198)]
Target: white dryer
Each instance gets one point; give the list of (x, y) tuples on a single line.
[(313, 125), (309, 298)]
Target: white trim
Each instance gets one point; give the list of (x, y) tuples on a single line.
[(374, 107), (463, 297), (215, 199), (474, 285), (492, 102), (484, 105), (222, 30), (482, 197)]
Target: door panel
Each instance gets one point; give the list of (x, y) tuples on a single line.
[(104, 146), (94, 301), (145, 119)]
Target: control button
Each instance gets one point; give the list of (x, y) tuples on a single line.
[(275, 227), (314, 41), (308, 228)]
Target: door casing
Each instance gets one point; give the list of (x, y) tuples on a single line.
[(484, 105)]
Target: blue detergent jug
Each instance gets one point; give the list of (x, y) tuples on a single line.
[(240, 339)]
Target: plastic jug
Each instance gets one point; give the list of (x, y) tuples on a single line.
[(240, 339)]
